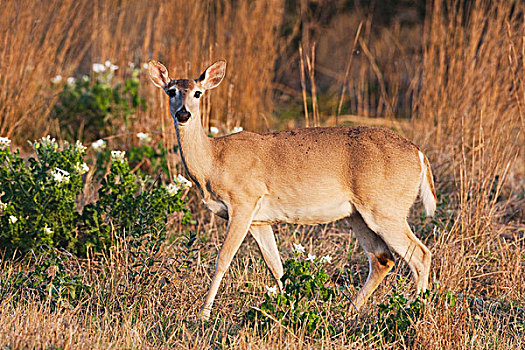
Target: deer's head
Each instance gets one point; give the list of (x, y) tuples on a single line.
[(184, 94)]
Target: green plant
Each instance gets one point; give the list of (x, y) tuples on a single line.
[(88, 108), (38, 196), (48, 279), (307, 301), (38, 203), (135, 206), (396, 317)]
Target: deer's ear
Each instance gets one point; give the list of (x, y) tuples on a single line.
[(213, 75), (158, 74)]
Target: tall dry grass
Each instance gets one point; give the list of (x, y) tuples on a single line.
[(470, 101), (42, 39), (37, 41)]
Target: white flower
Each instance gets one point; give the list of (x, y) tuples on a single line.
[(56, 79), (47, 141), (326, 258), (181, 180), (81, 168), (3, 206), (118, 156), (47, 230), (107, 63), (99, 145), (79, 146), (271, 290), (143, 137), (46, 144), (310, 257), (214, 130), (60, 176), (237, 129), (13, 219), (71, 80), (4, 142), (98, 67), (172, 189), (145, 65), (298, 248), (113, 67)]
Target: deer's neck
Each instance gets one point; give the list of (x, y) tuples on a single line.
[(196, 151)]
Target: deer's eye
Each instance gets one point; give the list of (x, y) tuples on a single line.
[(171, 93), (197, 94)]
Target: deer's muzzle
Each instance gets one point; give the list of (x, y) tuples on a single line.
[(182, 115)]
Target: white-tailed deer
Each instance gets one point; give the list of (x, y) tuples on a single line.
[(304, 176)]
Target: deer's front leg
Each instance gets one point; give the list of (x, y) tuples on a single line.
[(238, 225)]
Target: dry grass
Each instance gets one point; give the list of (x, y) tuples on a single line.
[(465, 91)]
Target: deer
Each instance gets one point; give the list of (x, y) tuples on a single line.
[(369, 176)]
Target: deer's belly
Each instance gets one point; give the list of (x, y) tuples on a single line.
[(272, 210)]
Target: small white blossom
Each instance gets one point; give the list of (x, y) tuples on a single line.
[(79, 146), (172, 189), (181, 180), (145, 65), (107, 63), (81, 168), (60, 176), (56, 79), (13, 219), (47, 230), (214, 130), (113, 67), (237, 129), (326, 258), (310, 257), (47, 143), (71, 80), (98, 68), (99, 145), (143, 137), (271, 290), (298, 248), (3, 206), (4, 142), (118, 156)]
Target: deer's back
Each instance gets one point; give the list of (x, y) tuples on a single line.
[(324, 168)]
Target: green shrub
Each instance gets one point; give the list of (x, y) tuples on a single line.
[(396, 317), (38, 196), (134, 205), (38, 203), (47, 279), (307, 302), (88, 108)]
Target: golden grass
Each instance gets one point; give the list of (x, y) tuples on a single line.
[(465, 92)]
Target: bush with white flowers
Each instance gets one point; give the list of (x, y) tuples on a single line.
[(38, 202), (89, 106), (307, 299)]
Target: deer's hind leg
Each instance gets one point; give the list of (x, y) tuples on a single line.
[(380, 258), (397, 234)]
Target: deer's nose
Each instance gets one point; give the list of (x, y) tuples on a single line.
[(182, 115)]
